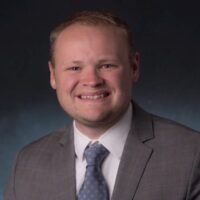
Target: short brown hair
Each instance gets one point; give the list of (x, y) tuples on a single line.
[(92, 18)]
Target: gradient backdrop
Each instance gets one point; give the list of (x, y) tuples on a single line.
[(168, 38)]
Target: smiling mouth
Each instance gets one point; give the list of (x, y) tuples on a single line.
[(95, 96)]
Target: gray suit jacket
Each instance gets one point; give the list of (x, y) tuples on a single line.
[(160, 161)]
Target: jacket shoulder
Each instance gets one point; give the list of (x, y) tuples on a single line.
[(45, 146), (167, 130)]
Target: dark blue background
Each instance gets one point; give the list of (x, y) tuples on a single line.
[(168, 37)]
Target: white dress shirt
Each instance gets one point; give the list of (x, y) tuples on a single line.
[(114, 140)]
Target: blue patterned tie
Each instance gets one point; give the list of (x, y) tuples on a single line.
[(94, 186)]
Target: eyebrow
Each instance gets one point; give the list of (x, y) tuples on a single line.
[(107, 60), (78, 62)]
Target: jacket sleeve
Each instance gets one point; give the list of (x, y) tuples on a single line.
[(9, 193), (194, 185)]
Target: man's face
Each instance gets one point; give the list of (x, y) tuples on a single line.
[(93, 74)]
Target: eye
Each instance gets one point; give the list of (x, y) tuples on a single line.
[(74, 68), (107, 66)]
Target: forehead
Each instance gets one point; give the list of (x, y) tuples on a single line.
[(77, 31), (86, 42)]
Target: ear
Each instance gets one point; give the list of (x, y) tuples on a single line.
[(135, 67), (52, 75)]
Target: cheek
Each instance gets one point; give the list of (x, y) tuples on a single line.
[(123, 79), (66, 83), (125, 85)]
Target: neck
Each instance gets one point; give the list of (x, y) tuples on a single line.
[(92, 132)]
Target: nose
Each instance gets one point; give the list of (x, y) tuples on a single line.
[(91, 77)]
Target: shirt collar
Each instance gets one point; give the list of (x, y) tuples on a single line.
[(80, 142), (113, 139)]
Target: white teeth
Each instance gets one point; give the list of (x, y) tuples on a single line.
[(93, 97)]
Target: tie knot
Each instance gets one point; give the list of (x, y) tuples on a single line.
[(95, 154)]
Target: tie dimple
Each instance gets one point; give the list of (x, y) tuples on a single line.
[(94, 186)]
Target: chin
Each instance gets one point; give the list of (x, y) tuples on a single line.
[(92, 119)]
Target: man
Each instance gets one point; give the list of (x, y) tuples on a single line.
[(93, 68)]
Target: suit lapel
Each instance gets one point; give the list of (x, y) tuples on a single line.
[(135, 156), (66, 167)]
